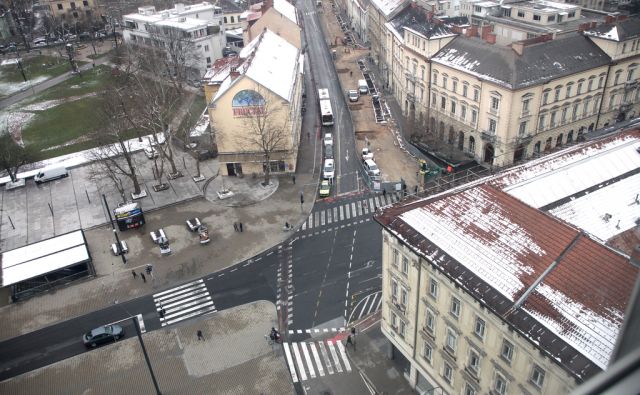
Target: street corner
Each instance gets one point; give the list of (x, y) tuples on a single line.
[(234, 191)]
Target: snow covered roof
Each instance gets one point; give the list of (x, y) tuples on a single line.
[(539, 62), (270, 61), (287, 9), (388, 7), (416, 20), (617, 31), (43, 257), (539, 270), (179, 22)]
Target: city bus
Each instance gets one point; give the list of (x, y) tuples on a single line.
[(326, 113)]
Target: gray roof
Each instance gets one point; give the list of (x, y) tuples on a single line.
[(617, 31), (415, 18), (539, 63)]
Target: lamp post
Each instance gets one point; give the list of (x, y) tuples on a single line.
[(115, 232)]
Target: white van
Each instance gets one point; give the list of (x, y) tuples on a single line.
[(371, 168), (50, 173), (363, 88)]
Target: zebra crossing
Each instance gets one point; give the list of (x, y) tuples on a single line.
[(183, 302), (348, 211), (308, 360)]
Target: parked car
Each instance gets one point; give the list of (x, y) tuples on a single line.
[(363, 88), (353, 95), (84, 36), (51, 173), (325, 188), (328, 139), (151, 152), (371, 167), (367, 154), (227, 51), (328, 171), (328, 151), (102, 335)]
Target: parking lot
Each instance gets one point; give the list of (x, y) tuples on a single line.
[(37, 212)]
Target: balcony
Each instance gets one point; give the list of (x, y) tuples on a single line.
[(411, 97), (630, 85), (488, 136), (494, 111), (524, 138), (525, 113), (411, 77)]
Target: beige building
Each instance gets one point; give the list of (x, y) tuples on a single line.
[(258, 98), (503, 104), (279, 16), (378, 14), (71, 11), (498, 288)]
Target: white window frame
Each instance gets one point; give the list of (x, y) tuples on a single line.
[(451, 341), (433, 288), (479, 327), (537, 376), (500, 389), (506, 350), (428, 353), (447, 372), (474, 367), (455, 307), (396, 257), (405, 265)]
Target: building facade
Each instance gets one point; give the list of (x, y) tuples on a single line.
[(197, 30), (503, 104), (494, 288), (279, 16), (74, 11), (262, 87), (378, 14)]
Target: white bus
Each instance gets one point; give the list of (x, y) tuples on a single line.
[(326, 113)]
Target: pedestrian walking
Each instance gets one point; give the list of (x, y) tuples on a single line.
[(416, 189), (384, 192), (161, 312), (134, 274), (235, 226), (240, 227), (144, 279), (199, 334), (350, 73), (293, 178)]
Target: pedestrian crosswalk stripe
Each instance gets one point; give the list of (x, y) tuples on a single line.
[(292, 369), (347, 211), (183, 302), (343, 354), (307, 357), (303, 374), (306, 362), (316, 357), (332, 350)]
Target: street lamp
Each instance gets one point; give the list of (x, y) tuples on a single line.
[(115, 232)]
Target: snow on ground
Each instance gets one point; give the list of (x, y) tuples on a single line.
[(8, 88)]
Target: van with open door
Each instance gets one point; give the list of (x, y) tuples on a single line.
[(51, 173)]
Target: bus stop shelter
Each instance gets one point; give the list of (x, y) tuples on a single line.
[(46, 264)]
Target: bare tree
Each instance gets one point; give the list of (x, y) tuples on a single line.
[(13, 155), (114, 153), (266, 131)]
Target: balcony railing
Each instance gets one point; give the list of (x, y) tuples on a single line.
[(488, 136), (631, 84), (411, 77)]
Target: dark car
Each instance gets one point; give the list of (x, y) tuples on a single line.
[(84, 36), (328, 151), (102, 335), (227, 51)]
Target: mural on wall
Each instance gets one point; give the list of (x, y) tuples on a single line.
[(247, 103)]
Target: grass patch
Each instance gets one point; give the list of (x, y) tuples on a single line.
[(35, 67), (89, 81), (195, 111)]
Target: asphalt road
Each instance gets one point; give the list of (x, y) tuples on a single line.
[(318, 55), (334, 268)]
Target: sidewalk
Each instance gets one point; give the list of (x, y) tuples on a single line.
[(371, 359), (234, 357)]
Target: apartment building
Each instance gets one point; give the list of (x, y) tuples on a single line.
[(197, 29), (71, 11), (263, 84), (357, 11), (279, 16), (512, 285), (379, 13)]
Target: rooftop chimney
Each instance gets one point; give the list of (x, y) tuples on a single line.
[(266, 4)]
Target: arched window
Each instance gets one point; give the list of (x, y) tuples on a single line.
[(547, 145), (472, 145), (536, 148), (570, 137), (559, 141)]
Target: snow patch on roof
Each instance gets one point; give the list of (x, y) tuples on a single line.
[(591, 333), (387, 6), (287, 9), (480, 234), (611, 34), (607, 212)]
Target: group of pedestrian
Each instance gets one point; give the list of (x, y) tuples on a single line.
[(237, 226), (142, 276)]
